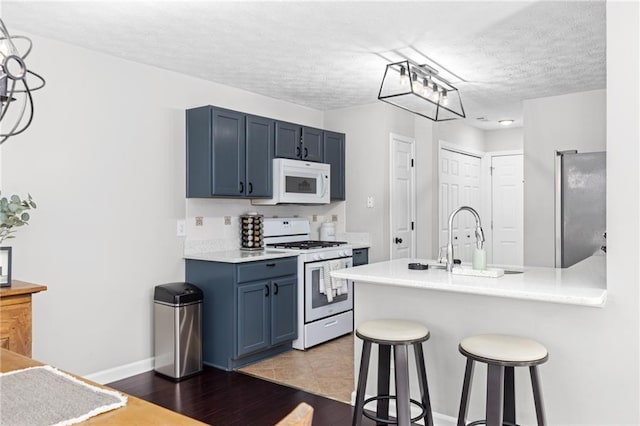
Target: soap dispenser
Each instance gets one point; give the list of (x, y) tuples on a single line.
[(479, 260)]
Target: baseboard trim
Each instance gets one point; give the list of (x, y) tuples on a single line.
[(121, 372), (438, 418)]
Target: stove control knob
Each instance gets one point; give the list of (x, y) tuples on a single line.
[(317, 257), (343, 253)]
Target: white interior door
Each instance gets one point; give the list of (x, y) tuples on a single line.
[(507, 200), (402, 197), (459, 181)]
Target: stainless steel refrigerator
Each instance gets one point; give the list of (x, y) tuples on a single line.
[(581, 198)]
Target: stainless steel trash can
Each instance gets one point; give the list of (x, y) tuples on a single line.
[(178, 330)]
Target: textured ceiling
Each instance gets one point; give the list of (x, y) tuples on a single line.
[(328, 55)]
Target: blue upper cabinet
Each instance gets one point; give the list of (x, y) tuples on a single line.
[(334, 154), (298, 142), (312, 144), (287, 143), (259, 153), (229, 153)]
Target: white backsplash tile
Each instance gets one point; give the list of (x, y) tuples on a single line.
[(214, 235), (355, 238)]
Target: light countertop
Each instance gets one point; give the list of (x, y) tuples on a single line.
[(239, 256), (582, 284)]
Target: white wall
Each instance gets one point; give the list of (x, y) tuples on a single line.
[(367, 175), (105, 161), (426, 188), (460, 133), (558, 123), (504, 139)]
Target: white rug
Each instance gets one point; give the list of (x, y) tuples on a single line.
[(40, 396)]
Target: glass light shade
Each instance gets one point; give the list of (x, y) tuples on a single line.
[(415, 82), (403, 76)]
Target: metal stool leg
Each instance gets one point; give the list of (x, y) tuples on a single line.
[(402, 385), (537, 395), (509, 396), (384, 376), (362, 383), (495, 394), (466, 393), (424, 386)]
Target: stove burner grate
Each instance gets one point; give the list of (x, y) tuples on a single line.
[(307, 245)]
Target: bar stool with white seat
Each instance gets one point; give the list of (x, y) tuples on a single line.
[(502, 354), (396, 334)]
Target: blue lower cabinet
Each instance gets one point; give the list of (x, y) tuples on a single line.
[(284, 310), (249, 309), (253, 317), (360, 256)]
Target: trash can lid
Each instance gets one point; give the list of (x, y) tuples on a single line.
[(177, 293)]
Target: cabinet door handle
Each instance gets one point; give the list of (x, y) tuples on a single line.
[(306, 153), (275, 291), (297, 151), (241, 187), (270, 265), (398, 240), (250, 188), (266, 287)]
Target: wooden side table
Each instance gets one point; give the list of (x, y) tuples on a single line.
[(15, 316)]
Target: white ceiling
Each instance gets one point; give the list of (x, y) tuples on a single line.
[(328, 55)]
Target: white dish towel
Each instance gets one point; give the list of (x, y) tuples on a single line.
[(325, 278), (338, 284)]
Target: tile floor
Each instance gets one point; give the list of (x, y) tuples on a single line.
[(325, 370)]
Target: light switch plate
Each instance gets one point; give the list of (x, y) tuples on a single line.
[(199, 221), (181, 229), (227, 220), (369, 202)]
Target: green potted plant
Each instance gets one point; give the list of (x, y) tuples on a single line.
[(13, 214)]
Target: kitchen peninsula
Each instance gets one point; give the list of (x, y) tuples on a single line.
[(581, 284), (553, 306)]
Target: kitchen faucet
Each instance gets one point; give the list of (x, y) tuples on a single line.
[(479, 233)]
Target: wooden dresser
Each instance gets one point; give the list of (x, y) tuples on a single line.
[(15, 316)]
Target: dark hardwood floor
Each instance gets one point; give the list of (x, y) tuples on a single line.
[(229, 398)]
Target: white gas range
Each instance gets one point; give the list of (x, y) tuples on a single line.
[(325, 305)]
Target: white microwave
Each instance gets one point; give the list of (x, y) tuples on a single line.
[(298, 182)]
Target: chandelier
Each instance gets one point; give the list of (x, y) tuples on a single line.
[(15, 91), (418, 89)]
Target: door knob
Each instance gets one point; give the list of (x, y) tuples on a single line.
[(398, 240)]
